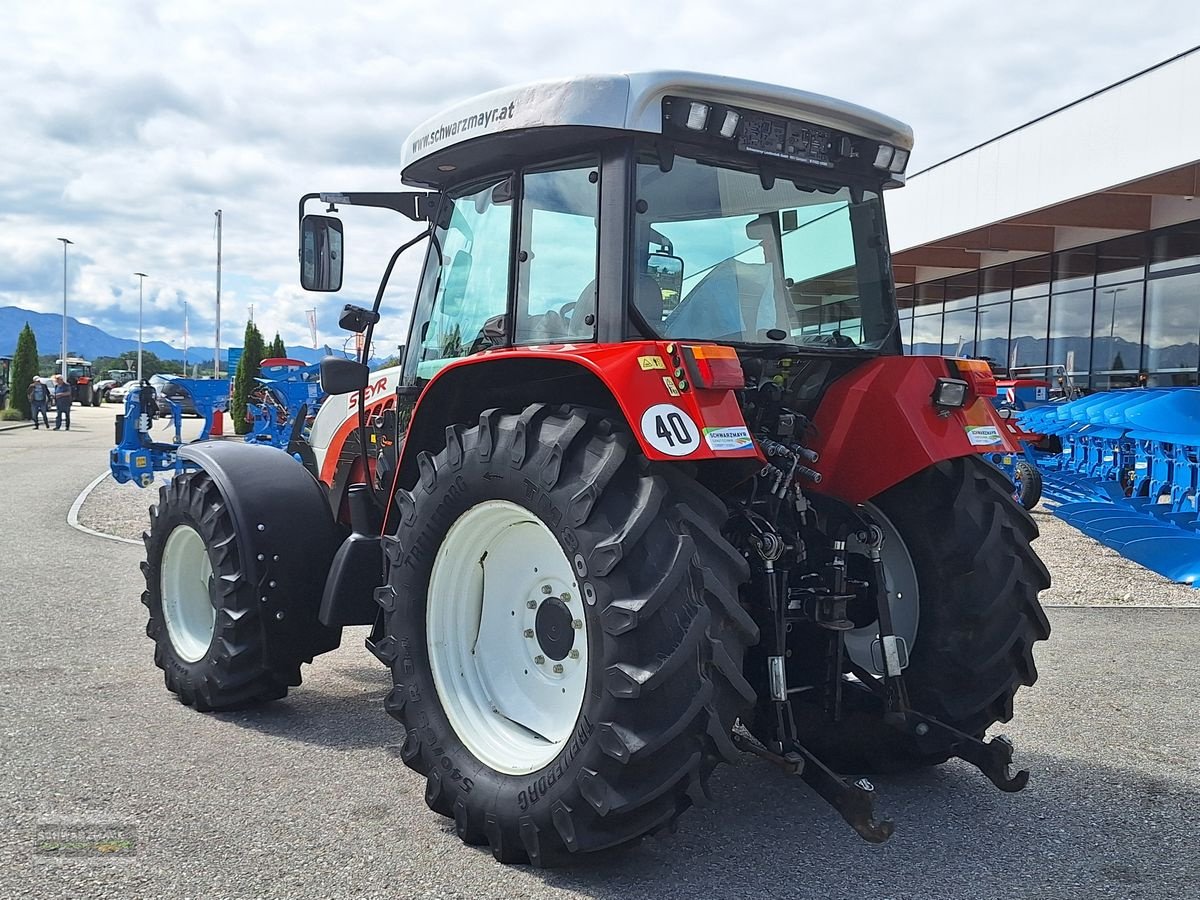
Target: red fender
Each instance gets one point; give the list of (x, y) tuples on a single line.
[(669, 422), (878, 426)]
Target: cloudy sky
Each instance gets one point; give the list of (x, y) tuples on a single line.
[(127, 124)]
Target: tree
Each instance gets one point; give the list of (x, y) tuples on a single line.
[(253, 352), (24, 368), (277, 350)]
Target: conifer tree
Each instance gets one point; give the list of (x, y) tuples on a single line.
[(253, 353), (24, 368)]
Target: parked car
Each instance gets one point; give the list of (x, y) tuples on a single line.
[(166, 390), (117, 394)]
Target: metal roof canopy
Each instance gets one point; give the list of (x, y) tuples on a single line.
[(1119, 161), (565, 111)]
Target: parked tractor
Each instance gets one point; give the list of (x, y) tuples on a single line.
[(79, 376), (653, 465)]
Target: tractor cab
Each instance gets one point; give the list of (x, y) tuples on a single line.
[(659, 206)]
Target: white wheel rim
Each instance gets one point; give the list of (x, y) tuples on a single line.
[(904, 596), (186, 593), (512, 703)]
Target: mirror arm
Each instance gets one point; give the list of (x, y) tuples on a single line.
[(415, 205), (366, 349)]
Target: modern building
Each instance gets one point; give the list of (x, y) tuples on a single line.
[(1071, 241)]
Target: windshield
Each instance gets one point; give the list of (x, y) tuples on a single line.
[(793, 263)]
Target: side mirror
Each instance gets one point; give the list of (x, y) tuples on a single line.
[(321, 253), (667, 270), (342, 376)]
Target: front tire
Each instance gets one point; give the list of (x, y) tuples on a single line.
[(205, 615), (979, 617), (562, 510)]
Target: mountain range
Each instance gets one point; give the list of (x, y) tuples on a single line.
[(90, 342)]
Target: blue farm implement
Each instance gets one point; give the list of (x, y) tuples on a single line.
[(279, 409), (1124, 468), (137, 455)]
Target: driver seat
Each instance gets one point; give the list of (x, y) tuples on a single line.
[(647, 298)]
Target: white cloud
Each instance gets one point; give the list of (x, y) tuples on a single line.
[(127, 124)]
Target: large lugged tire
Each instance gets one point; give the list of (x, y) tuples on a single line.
[(206, 618), (611, 565), (978, 579)]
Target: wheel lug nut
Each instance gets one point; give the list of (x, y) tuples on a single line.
[(566, 597), (528, 632), (531, 604), (574, 654), (577, 624), (540, 660), (558, 669), (546, 589)]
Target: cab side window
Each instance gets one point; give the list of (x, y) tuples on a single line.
[(467, 310), (556, 286)]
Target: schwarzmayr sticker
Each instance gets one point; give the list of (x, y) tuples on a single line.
[(481, 119), (984, 435), (731, 438)]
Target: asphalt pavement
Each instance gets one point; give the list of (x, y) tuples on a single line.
[(307, 797)]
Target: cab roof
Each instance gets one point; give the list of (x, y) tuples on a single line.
[(623, 103)]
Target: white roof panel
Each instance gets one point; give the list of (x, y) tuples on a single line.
[(633, 102)]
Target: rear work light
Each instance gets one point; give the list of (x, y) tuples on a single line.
[(891, 159), (950, 393), (713, 367)]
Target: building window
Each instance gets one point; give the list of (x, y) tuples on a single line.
[(1074, 269), (1031, 277), (1027, 347), (1176, 248), (995, 285), (1071, 331), (993, 333), (1117, 329), (1121, 260), (1173, 324), (927, 335)]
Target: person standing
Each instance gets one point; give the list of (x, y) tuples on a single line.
[(39, 401), (62, 402)]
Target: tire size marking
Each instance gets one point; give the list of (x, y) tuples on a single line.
[(670, 430)]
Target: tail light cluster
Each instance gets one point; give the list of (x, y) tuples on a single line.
[(711, 366)]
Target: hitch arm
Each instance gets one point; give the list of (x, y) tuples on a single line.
[(855, 802), (993, 758)]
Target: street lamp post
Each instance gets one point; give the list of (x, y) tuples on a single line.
[(141, 277), (65, 241), (185, 339), (1112, 323)]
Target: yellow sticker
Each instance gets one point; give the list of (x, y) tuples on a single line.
[(651, 362), (671, 389)]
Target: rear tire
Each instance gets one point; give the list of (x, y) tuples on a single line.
[(663, 635), (978, 621), (205, 616)]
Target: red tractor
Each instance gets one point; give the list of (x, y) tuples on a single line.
[(653, 463)]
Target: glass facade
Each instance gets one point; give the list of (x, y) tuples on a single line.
[(1114, 313)]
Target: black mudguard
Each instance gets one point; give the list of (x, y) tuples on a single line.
[(286, 536)]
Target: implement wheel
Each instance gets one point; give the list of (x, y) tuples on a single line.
[(564, 634), (963, 582), (1027, 485)]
